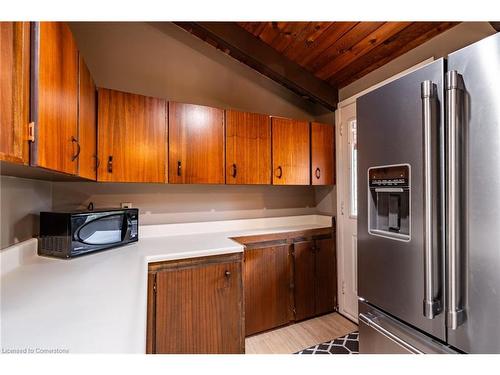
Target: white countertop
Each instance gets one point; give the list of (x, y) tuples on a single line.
[(97, 303)]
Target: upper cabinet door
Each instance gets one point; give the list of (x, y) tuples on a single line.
[(196, 144), (132, 137), (248, 148), (87, 123), (55, 97), (322, 154), (291, 161), (14, 91)]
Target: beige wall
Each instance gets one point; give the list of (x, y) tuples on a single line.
[(164, 60), (451, 40), (187, 203), (21, 200)]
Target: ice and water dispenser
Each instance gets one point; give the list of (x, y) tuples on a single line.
[(389, 201)]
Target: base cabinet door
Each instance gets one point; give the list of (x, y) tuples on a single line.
[(267, 288), (132, 137), (14, 91), (315, 288), (198, 306), (326, 277), (305, 280)]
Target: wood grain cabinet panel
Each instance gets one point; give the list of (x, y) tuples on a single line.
[(326, 277), (305, 279), (322, 154), (196, 144), (291, 152), (54, 92), (248, 148), (14, 91), (315, 287), (267, 288), (87, 123), (198, 307), (132, 137)]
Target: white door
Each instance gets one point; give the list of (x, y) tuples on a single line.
[(347, 211)]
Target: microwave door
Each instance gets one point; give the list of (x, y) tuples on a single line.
[(102, 230)]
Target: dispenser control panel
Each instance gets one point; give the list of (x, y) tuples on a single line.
[(389, 176)]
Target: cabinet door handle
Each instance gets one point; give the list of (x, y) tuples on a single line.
[(280, 172), (74, 140), (227, 273), (317, 173), (110, 164), (179, 168), (233, 170)]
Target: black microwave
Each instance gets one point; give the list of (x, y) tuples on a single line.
[(70, 234)]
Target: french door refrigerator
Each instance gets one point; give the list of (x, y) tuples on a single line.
[(429, 207)]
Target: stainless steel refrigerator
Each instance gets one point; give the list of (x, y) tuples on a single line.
[(429, 207)]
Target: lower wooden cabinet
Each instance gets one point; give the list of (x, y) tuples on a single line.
[(304, 279), (325, 290), (267, 288), (288, 277), (314, 278), (195, 306)]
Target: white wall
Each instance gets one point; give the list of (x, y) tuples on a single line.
[(21, 200)]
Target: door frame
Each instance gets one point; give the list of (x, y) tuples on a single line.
[(342, 168)]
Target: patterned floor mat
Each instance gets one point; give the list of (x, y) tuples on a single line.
[(348, 344)]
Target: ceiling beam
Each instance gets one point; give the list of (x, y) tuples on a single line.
[(495, 25), (243, 46)]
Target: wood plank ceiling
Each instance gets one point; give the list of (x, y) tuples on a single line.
[(342, 52)]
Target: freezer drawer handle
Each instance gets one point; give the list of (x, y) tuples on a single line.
[(391, 336), (431, 304), (455, 314)]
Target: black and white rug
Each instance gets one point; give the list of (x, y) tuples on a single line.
[(348, 344)]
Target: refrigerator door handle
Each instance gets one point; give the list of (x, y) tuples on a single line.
[(455, 314), (377, 327), (431, 304)]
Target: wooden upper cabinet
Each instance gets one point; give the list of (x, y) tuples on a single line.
[(291, 152), (196, 144), (248, 148), (322, 154), (132, 137), (14, 91), (87, 123), (54, 91)]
